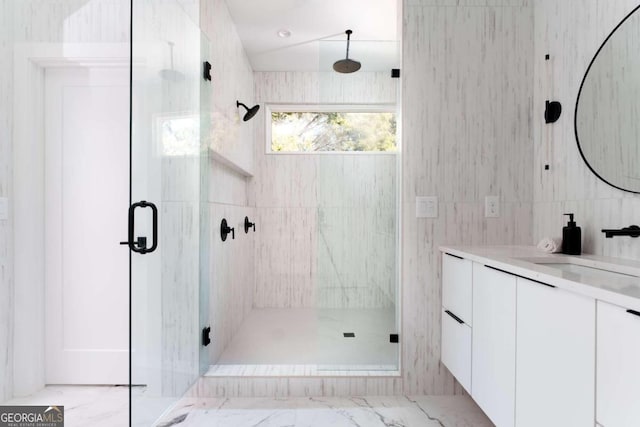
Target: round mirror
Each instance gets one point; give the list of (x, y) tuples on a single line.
[(607, 119)]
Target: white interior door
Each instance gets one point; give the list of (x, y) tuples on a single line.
[(86, 200)]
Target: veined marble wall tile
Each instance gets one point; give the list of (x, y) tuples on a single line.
[(6, 171), (179, 288), (285, 255), (333, 217), (352, 195), (283, 387), (467, 133), (50, 21), (357, 88), (225, 186), (325, 87), (471, 3), (232, 80), (571, 32), (232, 274), (231, 263)]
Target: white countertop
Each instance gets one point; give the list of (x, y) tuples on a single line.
[(621, 290)]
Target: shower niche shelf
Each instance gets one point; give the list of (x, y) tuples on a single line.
[(226, 161)]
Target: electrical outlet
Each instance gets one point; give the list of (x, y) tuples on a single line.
[(427, 207), (491, 207)]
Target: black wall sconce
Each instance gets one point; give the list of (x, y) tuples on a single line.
[(225, 230), (552, 111)]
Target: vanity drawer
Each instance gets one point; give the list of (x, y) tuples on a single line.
[(456, 348), (457, 276)]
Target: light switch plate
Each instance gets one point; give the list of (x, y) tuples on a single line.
[(492, 207), (4, 209), (427, 207)]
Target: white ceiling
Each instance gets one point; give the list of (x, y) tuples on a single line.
[(317, 33)]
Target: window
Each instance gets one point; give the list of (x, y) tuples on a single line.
[(305, 128)]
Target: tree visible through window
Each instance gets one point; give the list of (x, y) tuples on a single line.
[(333, 131)]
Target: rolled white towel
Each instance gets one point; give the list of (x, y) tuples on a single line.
[(550, 245)]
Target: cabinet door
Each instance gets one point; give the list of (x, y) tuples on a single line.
[(456, 348), (555, 357), (618, 371), (456, 286), (493, 366)]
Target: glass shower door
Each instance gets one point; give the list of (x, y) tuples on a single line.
[(357, 213), (164, 217)]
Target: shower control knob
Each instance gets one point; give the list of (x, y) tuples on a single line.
[(225, 230), (248, 225)]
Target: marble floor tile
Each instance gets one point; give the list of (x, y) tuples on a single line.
[(97, 406), (423, 411), (108, 407), (100, 406)]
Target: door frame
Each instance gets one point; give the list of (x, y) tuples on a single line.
[(31, 61)]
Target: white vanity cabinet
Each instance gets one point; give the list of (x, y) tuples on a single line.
[(493, 372), (456, 288), (617, 371), (456, 318), (555, 357), (549, 340)]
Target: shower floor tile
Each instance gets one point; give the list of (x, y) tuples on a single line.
[(313, 339)]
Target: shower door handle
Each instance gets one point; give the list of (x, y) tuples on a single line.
[(140, 245)]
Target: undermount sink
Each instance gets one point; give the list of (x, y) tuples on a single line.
[(587, 267), (581, 269)]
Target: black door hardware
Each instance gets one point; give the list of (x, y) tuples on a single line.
[(206, 336), (139, 244), (206, 71), (225, 230), (248, 225), (635, 313), (631, 231), (394, 338)]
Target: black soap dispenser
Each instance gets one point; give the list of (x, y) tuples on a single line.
[(571, 238)]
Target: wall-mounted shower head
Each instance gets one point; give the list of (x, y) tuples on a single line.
[(250, 111), (347, 65)]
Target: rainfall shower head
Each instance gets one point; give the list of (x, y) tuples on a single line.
[(250, 111), (347, 65)]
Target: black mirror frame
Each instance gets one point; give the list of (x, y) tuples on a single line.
[(575, 117)]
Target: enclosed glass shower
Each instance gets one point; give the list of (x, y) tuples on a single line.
[(108, 141)]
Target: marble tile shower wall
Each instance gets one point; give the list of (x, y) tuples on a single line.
[(322, 215), (230, 263), (356, 231), (467, 108), (6, 243), (571, 32)]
